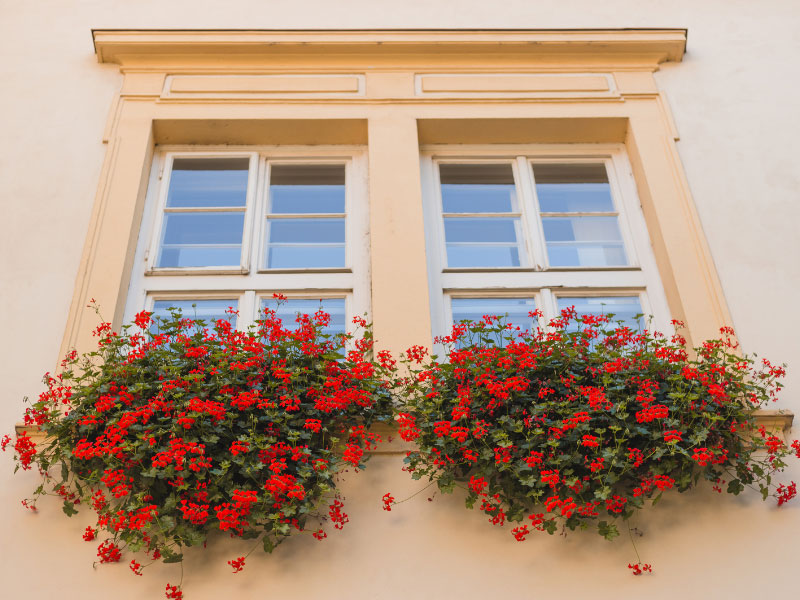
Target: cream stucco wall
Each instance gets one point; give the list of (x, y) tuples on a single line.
[(734, 102)]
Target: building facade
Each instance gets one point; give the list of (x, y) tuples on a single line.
[(677, 126)]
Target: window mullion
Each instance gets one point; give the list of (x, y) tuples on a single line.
[(259, 209), (549, 306), (248, 310), (530, 209)]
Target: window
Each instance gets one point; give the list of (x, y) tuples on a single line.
[(516, 229), (590, 97), (229, 228)]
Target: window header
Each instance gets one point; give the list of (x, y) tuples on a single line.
[(649, 46)]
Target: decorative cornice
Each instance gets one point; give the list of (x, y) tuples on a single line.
[(647, 46)]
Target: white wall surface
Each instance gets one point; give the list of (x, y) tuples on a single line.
[(734, 99)]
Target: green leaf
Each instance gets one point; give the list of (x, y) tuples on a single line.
[(69, 508), (446, 485), (607, 530), (170, 503), (735, 487), (194, 537), (269, 546), (170, 556), (603, 493)]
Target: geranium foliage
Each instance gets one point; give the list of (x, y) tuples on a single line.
[(584, 422), (174, 431)]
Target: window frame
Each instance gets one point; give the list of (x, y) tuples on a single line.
[(165, 169), (640, 277), (252, 280)]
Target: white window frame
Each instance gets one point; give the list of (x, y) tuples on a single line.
[(538, 280), (251, 280), (166, 162)]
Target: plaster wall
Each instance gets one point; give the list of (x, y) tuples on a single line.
[(734, 102)]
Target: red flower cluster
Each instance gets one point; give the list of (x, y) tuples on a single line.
[(784, 493), (520, 533), (108, 552), (407, 428), (338, 517), (231, 514), (24, 448), (651, 413), (640, 568), (237, 564), (136, 568)]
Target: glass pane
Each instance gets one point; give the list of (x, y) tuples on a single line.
[(300, 231), (200, 256), (584, 241), (624, 308), (307, 256), (204, 182), (477, 188), (482, 255), (201, 239), (307, 188), (207, 310), (305, 243), (514, 310), (480, 230), (477, 242), (573, 188), (289, 309)]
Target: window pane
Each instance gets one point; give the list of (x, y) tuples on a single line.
[(481, 230), (205, 182), (515, 310), (305, 256), (624, 308), (307, 189), (201, 240), (573, 188), (306, 243), (289, 309), (207, 310), (483, 255), (477, 188), (584, 241), (473, 242), (299, 231)]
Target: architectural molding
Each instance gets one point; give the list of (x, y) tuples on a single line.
[(648, 47)]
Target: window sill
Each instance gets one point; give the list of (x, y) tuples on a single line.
[(306, 270), (193, 271), (535, 269), (775, 421)]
